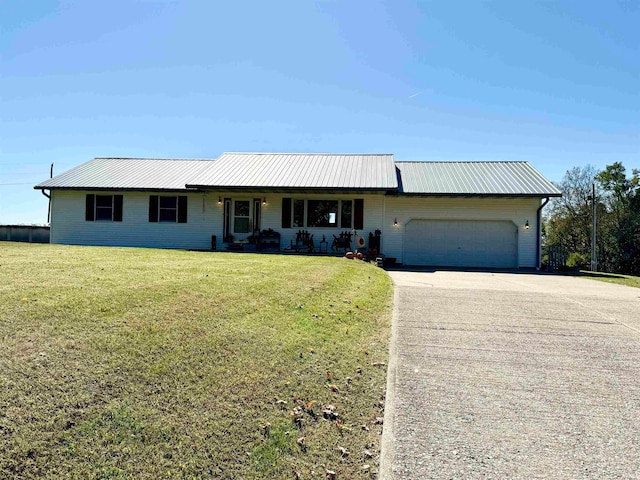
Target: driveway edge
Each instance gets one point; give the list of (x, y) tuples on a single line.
[(387, 442)]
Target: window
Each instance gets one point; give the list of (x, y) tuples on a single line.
[(103, 208), (170, 209), (345, 213), (298, 213), (322, 213)]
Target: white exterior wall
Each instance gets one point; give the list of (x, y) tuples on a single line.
[(68, 225), (517, 210), (205, 218)]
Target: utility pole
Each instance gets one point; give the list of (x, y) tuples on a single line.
[(594, 258)]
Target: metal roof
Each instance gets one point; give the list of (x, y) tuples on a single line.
[(321, 171), (128, 174), (473, 178), (299, 171)]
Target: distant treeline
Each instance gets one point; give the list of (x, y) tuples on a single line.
[(569, 222)]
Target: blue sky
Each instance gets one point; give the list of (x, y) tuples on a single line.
[(553, 83)]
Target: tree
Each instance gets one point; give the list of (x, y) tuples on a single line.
[(569, 221), (621, 197)]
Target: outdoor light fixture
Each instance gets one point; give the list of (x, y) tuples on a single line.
[(395, 222), (219, 200), (526, 225), (264, 200)]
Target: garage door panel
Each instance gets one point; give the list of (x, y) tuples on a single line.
[(472, 243)]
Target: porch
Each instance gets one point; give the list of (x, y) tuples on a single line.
[(305, 243)]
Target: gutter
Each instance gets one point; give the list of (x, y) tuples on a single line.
[(539, 236)]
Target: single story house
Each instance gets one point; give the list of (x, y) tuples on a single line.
[(460, 214)]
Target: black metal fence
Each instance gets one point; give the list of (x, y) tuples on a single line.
[(556, 257)]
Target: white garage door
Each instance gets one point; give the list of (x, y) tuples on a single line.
[(473, 243)]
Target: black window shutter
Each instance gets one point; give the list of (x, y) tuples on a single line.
[(153, 208), (117, 208), (89, 212), (358, 214), (182, 209), (286, 213)]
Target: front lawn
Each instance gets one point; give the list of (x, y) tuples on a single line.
[(139, 363), (627, 280)]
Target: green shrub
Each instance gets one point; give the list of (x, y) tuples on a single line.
[(577, 260)]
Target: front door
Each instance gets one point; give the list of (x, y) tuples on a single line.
[(242, 217), (241, 223)]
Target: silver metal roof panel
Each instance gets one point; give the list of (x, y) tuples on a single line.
[(473, 178), (127, 174), (307, 171), (299, 171)]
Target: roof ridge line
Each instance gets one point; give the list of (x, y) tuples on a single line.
[(155, 158), (461, 161), (310, 153)]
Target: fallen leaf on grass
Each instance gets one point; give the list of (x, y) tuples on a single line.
[(302, 443), (342, 427), (329, 412)]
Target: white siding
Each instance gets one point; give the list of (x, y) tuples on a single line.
[(68, 225), (517, 210), (205, 218)]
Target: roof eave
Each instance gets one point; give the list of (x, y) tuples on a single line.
[(117, 189), (494, 195), (258, 188)]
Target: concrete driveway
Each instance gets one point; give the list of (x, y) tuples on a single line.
[(508, 375)]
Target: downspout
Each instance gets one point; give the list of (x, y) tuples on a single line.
[(49, 208), (539, 236), (48, 196)]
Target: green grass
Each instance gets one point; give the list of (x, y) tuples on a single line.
[(627, 280), (139, 363)]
